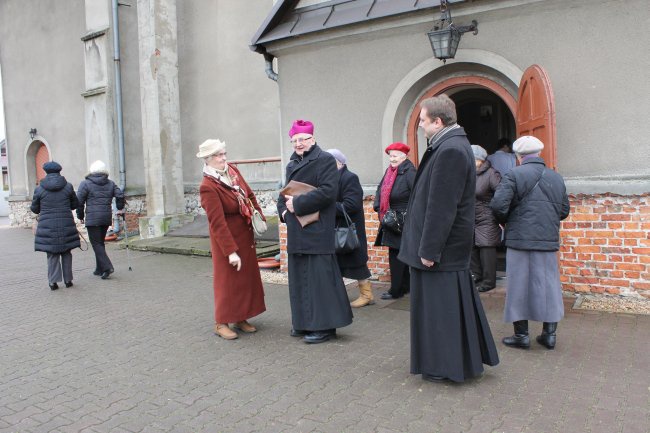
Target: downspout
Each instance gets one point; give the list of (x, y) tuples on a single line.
[(268, 58), (118, 102)]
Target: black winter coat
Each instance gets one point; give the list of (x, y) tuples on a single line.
[(440, 217), (398, 200), (96, 194), (316, 168), (532, 215), (487, 232), (350, 198), (53, 201)]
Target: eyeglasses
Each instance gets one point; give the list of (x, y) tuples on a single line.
[(300, 140)]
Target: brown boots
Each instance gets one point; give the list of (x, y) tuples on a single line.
[(365, 295)]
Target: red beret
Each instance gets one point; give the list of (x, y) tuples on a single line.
[(398, 146)]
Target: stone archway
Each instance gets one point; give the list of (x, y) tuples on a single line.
[(468, 63)]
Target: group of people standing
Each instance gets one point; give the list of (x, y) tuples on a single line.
[(56, 231), (428, 219)]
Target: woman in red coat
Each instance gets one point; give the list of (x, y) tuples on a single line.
[(238, 291)]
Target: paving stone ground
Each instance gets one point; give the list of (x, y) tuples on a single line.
[(136, 353)]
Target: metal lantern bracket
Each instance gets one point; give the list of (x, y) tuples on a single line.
[(445, 35)]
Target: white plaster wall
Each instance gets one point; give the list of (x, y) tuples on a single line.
[(41, 55), (224, 90), (594, 52)]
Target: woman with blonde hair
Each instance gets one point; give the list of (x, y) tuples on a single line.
[(229, 202)]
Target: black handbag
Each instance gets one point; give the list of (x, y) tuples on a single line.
[(345, 238), (393, 220)]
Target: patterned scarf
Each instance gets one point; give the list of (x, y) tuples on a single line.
[(386, 188), (438, 135), (230, 179)]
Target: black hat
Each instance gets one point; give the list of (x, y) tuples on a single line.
[(52, 167)]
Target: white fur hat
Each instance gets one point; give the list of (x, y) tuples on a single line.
[(97, 167), (210, 147), (527, 144)]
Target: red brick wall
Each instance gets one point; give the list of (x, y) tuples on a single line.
[(605, 245)]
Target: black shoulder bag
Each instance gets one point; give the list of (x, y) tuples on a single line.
[(345, 238)]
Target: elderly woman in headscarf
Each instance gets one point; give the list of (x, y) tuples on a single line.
[(96, 195), (487, 233), (393, 194), (353, 265), (532, 200), (56, 233), (319, 302), (228, 202)]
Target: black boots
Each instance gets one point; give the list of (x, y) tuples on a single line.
[(547, 339), (520, 339)]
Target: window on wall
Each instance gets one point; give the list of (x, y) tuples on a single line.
[(5, 179)]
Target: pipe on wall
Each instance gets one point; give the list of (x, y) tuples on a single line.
[(268, 58), (118, 106)]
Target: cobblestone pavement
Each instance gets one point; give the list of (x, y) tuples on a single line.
[(136, 353)]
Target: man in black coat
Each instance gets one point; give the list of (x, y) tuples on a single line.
[(450, 336), (319, 302)]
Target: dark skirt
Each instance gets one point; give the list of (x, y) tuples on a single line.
[(317, 294), (358, 273), (450, 335)]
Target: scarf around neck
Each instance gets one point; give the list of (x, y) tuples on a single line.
[(438, 135), (386, 188)]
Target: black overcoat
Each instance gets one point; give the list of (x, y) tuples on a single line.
[(95, 195), (54, 200), (350, 198), (487, 232), (398, 200), (532, 214), (316, 168), (440, 217)]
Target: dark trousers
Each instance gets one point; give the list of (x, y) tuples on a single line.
[(400, 277), (58, 264), (96, 234), (484, 265)]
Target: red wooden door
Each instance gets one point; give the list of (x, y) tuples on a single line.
[(536, 111), (42, 156)]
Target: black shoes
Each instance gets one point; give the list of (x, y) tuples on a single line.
[(54, 286), (317, 337), (484, 289), (69, 284), (433, 378), (388, 295), (520, 339), (97, 272), (297, 333), (548, 337)]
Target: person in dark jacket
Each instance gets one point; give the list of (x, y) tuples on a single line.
[(532, 200), (56, 233), (96, 195), (450, 335), (353, 265), (319, 302), (487, 233), (393, 193)]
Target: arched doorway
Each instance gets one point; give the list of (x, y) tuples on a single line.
[(485, 109), (37, 153)]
